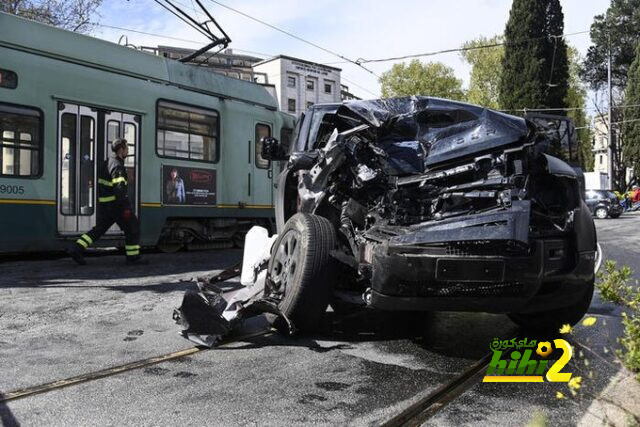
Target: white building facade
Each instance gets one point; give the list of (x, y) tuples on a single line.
[(601, 147), (299, 83)]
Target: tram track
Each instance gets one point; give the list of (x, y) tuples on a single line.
[(426, 407), (115, 370)]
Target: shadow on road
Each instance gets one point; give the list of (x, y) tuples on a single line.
[(64, 273), (459, 335), (6, 416)]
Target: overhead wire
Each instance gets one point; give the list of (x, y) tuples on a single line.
[(183, 19), (613, 123), (290, 34), (463, 49), (146, 33)]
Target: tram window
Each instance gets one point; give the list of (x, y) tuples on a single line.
[(20, 141), (86, 159), (186, 132), (130, 135), (262, 131), (113, 132), (8, 79), (68, 164)]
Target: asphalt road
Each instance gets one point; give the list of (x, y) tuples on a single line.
[(58, 320)]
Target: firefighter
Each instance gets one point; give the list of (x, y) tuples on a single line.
[(114, 206)]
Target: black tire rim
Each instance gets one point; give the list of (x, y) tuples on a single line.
[(285, 261)]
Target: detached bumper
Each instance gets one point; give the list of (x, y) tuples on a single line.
[(551, 276)]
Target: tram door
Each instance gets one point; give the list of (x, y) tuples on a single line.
[(77, 130), (127, 126), (83, 133)]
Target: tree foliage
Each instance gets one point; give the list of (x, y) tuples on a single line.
[(631, 125), (416, 78), (73, 15), (577, 100), (535, 69), (620, 25), (486, 64)]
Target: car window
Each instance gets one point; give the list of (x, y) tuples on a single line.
[(321, 127), (591, 194), (611, 195)]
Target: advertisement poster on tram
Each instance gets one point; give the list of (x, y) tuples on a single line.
[(188, 186)]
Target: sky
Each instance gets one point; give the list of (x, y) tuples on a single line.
[(352, 28)]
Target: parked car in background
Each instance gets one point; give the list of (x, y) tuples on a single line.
[(603, 203)]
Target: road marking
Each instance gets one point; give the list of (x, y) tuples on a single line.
[(599, 257), (55, 385)]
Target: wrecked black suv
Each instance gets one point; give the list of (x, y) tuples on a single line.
[(427, 204)]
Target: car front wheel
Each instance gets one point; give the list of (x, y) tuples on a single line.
[(301, 270)]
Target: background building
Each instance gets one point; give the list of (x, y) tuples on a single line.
[(299, 83), (600, 146)]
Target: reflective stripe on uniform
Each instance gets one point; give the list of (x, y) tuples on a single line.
[(131, 247), (82, 243), (86, 238), (106, 199), (133, 252), (118, 179), (105, 182)]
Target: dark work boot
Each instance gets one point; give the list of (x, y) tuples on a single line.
[(137, 261), (75, 252)]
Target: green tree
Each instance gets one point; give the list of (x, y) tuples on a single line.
[(576, 100), (618, 31), (416, 78), (631, 125), (73, 15), (486, 64), (620, 26), (534, 69)]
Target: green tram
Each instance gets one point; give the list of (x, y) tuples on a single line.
[(195, 170)]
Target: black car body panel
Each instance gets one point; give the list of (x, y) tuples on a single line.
[(442, 205)]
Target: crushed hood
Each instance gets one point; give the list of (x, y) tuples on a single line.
[(446, 129)]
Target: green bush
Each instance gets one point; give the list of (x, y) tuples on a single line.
[(614, 287)]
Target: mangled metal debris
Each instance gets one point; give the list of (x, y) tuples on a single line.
[(206, 316)]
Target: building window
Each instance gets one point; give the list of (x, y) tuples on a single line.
[(20, 141), (262, 131), (309, 104), (328, 87), (600, 156), (291, 105), (291, 81), (187, 132), (310, 84)]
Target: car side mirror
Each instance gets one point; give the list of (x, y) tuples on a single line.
[(272, 149)]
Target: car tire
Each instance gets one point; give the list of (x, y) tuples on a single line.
[(301, 270), (552, 320), (601, 213)]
